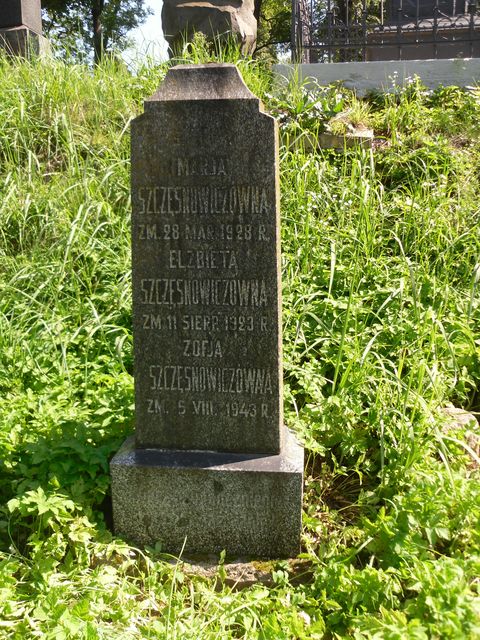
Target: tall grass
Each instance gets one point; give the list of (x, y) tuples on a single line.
[(381, 315)]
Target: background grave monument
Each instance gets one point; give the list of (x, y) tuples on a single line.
[(220, 19), (211, 463), (21, 27)]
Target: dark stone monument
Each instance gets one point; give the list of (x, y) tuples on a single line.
[(21, 27), (211, 464)]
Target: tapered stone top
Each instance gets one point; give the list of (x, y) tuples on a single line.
[(17, 13), (202, 82), (206, 266)]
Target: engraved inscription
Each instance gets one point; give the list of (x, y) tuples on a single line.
[(199, 166), (230, 232), (215, 379), (156, 406), (205, 262), (192, 165), (200, 232), (246, 410), (207, 199), (205, 322), (223, 323), (225, 232), (158, 232), (201, 323), (221, 292), (239, 323), (203, 407), (156, 321), (179, 259), (241, 409), (202, 348)]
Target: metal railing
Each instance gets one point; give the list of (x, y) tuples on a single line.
[(362, 30)]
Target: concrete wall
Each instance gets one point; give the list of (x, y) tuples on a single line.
[(365, 76)]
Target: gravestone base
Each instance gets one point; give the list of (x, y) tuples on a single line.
[(21, 41), (205, 501)]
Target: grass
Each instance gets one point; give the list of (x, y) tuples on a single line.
[(381, 255)]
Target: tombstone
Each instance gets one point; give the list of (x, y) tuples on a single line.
[(211, 466), (217, 20), (21, 27)]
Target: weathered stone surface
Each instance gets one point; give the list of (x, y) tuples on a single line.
[(241, 573), (17, 13), (204, 502), (21, 27), (238, 575), (20, 41), (211, 464), (205, 255), (221, 18)]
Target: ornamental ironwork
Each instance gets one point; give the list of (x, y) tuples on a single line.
[(368, 30)]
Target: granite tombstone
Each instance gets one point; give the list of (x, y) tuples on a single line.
[(21, 27), (211, 465)]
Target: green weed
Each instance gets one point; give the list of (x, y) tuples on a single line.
[(381, 317)]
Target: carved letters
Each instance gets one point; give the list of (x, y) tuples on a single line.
[(205, 259), (207, 200)]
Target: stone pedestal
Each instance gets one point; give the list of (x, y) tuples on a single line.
[(206, 501), (211, 464), (21, 41), (21, 28)]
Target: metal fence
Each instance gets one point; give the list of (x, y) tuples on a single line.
[(362, 30)]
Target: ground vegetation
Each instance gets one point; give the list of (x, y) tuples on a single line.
[(381, 318), (88, 28)]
